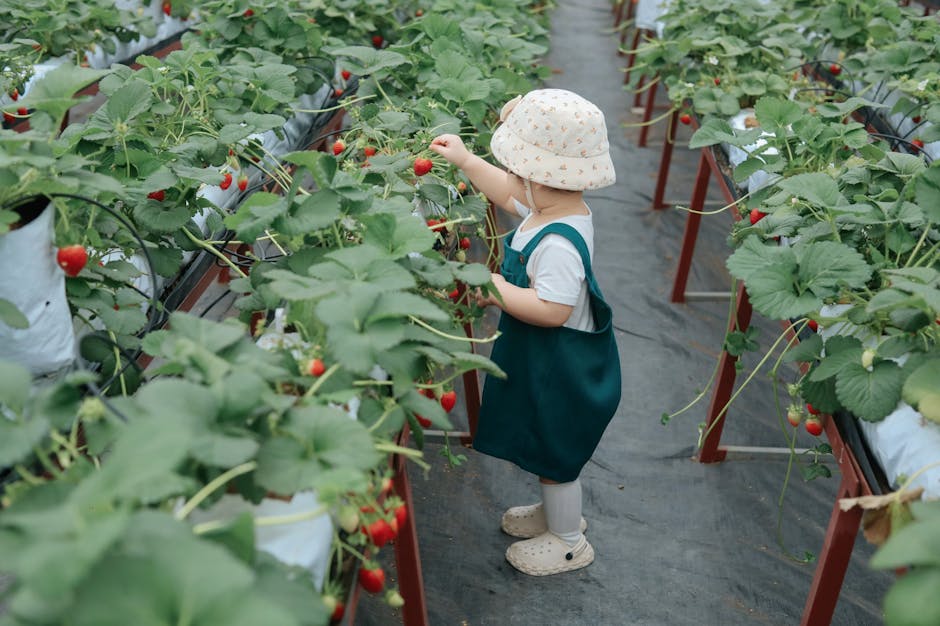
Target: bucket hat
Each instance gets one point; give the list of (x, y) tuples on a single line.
[(554, 137)]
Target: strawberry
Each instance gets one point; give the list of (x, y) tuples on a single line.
[(685, 118), (379, 532), (401, 515), (835, 70), (335, 607), (158, 195), (345, 74), (756, 216), (454, 295), (386, 486), (394, 599), (813, 325), (338, 147), (369, 151), (436, 225), (8, 117), (248, 13), (717, 80), (72, 259), (348, 519), (794, 415), (448, 400), (337, 92), (372, 578), (915, 119), (167, 8), (460, 256), (422, 166), (377, 41), (811, 409), (226, 181), (425, 422), (464, 243), (15, 94), (316, 368), (419, 13), (918, 144), (813, 425), (24, 111), (242, 183), (461, 187), (868, 357)]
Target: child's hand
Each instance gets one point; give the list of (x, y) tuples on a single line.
[(451, 148), (488, 299)]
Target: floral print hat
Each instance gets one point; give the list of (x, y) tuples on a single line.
[(554, 137)]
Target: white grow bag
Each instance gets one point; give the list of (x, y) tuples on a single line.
[(35, 284)]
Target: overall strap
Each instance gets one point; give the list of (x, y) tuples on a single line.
[(571, 234)]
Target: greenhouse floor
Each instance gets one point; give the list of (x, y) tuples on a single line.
[(677, 542)]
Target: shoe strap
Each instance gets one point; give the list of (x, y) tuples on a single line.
[(577, 549)]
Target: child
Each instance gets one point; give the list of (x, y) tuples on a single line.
[(556, 344)]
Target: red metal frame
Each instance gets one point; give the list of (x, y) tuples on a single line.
[(665, 160)]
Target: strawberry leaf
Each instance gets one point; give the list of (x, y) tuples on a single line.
[(927, 192), (871, 395), (775, 114), (807, 351), (920, 389), (311, 213), (11, 316), (819, 188), (822, 395), (715, 130)]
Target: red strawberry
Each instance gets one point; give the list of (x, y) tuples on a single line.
[(345, 74), (756, 216), (242, 183), (811, 409), (337, 92), (454, 295), (338, 147), (918, 144), (915, 119), (24, 111), (464, 243), (159, 195), (379, 532), (685, 118), (369, 151), (226, 181), (377, 41), (813, 325), (167, 8), (813, 425), (448, 400), (461, 187), (316, 368), (72, 259), (401, 515), (248, 12), (15, 94), (422, 166), (717, 80), (835, 70), (372, 578), (8, 117), (425, 422)]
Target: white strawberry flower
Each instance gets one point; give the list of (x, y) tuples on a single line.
[(713, 59)]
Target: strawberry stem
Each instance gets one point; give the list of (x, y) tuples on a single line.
[(214, 484), (214, 251), (315, 386), (439, 333)]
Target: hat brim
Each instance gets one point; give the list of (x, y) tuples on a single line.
[(541, 166)]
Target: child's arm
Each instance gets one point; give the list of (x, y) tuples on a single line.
[(525, 305), (496, 184)]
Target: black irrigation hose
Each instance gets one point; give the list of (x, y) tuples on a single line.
[(896, 141)]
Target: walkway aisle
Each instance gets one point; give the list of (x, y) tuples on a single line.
[(677, 542)]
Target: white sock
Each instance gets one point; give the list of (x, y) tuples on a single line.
[(562, 504)]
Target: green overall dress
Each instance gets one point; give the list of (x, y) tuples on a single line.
[(562, 386)]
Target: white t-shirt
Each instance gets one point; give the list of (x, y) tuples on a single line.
[(555, 269)]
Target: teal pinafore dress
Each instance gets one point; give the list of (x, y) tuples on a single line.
[(562, 386)]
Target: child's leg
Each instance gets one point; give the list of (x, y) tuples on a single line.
[(562, 504)]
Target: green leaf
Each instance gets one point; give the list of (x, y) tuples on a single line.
[(822, 395), (11, 316), (314, 212), (912, 600), (256, 214), (237, 536), (291, 589), (840, 351), (397, 304), (363, 60), (753, 254), (128, 101), (15, 382), (807, 351), (715, 130), (466, 361), (817, 187), (870, 395), (927, 192), (322, 439), (921, 389), (775, 113), (17, 439), (320, 165), (161, 217), (827, 266), (737, 342), (774, 292)]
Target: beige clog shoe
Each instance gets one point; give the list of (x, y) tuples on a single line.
[(547, 554), (527, 521)]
